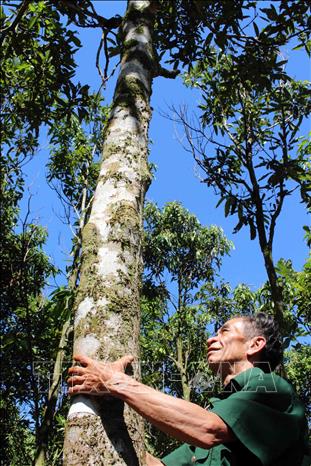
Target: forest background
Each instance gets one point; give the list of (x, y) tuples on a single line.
[(36, 315)]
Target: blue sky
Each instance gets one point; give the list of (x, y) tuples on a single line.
[(176, 176)]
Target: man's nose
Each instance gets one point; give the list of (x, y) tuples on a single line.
[(211, 340)]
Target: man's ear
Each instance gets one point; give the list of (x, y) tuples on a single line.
[(255, 345)]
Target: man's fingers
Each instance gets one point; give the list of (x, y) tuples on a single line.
[(79, 370), (75, 389), (74, 380), (122, 363), (82, 359), (126, 360), (83, 390)]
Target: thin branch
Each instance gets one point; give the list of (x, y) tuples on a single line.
[(250, 22), (282, 193), (103, 77), (174, 361), (197, 147), (170, 299), (111, 23), (170, 74), (104, 74), (106, 57), (275, 215)]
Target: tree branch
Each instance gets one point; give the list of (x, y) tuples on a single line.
[(18, 17), (101, 74), (111, 23), (170, 74), (282, 193)]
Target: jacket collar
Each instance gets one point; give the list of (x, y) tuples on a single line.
[(240, 381)]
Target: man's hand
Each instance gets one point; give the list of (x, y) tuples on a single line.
[(92, 377)]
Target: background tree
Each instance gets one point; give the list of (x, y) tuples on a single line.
[(181, 257), (37, 89), (249, 149), (251, 116)]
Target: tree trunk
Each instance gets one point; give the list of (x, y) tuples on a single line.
[(101, 431), (276, 290), (186, 389)]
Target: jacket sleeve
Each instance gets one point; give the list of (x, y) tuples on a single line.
[(267, 422)]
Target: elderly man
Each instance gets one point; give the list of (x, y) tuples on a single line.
[(258, 419)]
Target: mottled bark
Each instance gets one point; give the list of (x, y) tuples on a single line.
[(101, 431)]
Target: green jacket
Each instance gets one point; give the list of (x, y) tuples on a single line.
[(266, 417)]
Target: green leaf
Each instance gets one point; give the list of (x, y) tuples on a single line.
[(256, 29), (228, 205), (220, 201), (32, 21), (113, 51)]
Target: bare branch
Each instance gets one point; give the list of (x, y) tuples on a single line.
[(170, 74), (103, 77), (104, 74)]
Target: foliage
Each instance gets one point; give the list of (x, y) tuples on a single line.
[(297, 296), (13, 427), (187, 31), (298, 366), (180, 28), (38, 70), (38, 87), (248, 142), (185, 248), (75, 150), (180, 257), (28, 332), (257, 163)]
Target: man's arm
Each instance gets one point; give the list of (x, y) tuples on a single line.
[(181, 419)]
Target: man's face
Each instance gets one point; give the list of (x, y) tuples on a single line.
[(230, 345)]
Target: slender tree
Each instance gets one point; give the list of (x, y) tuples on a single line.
[(177, 244), (181, 256), (249, 148)]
